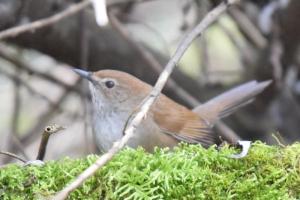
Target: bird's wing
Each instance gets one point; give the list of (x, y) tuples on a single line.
[(231, 100), (181, 123)]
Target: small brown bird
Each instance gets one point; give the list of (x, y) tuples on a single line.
[(116, 94)]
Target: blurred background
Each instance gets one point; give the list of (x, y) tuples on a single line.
[(254, 40)]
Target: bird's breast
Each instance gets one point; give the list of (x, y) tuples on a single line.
[(107, 130)]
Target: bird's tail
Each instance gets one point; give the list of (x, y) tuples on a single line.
[(228, 102)]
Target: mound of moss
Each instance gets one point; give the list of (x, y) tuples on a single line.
[(188, 172)]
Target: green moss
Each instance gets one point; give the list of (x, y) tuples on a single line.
[(188, 172)]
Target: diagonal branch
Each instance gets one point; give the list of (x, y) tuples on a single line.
[(225, 132), (145, 54), (136, 118), (27, 86), (46, 116), (12, 155), (248, 28), (22, 65)]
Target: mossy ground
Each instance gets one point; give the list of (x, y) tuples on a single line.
[(188, 172)]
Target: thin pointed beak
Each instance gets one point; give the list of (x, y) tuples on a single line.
[(84, 74)]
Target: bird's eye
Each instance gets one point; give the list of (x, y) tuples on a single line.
[(109, 84)]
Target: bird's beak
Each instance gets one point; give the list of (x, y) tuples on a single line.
[(85, 74)]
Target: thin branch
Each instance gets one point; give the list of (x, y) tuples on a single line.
[(151, 60), (54, 106), (22, 11), (13, 156), (13, 32), (248, 28), (45, 117), (276, 56), (84, 46), (48, 131), (150, 28), (13, 138), (279, 139), (73, 9), (246, 53), (20, 147), (138, 116), (17, 107), (144, 53), (205, 61), (21, 65), (24, 84)]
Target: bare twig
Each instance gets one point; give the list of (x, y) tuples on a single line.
[(12, 32), (44, 118), (54, 106), (84, 62), (73, 9), (205, 61), (279, 139), (287, 83), (151, 60), (48, 131), (84, 41), (17, 107), (144, 53), (22, 11), (13, 156), (13, 136), (24, 84), (245, 52), (138, 116), (248, 28), (160, 38), (21, 65), (20, 146), (276, 56)]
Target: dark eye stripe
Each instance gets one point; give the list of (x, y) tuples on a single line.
[(109, 84)]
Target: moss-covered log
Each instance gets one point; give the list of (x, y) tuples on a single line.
[(188, 172)]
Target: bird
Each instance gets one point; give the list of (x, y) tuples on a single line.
[(116, 95)]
